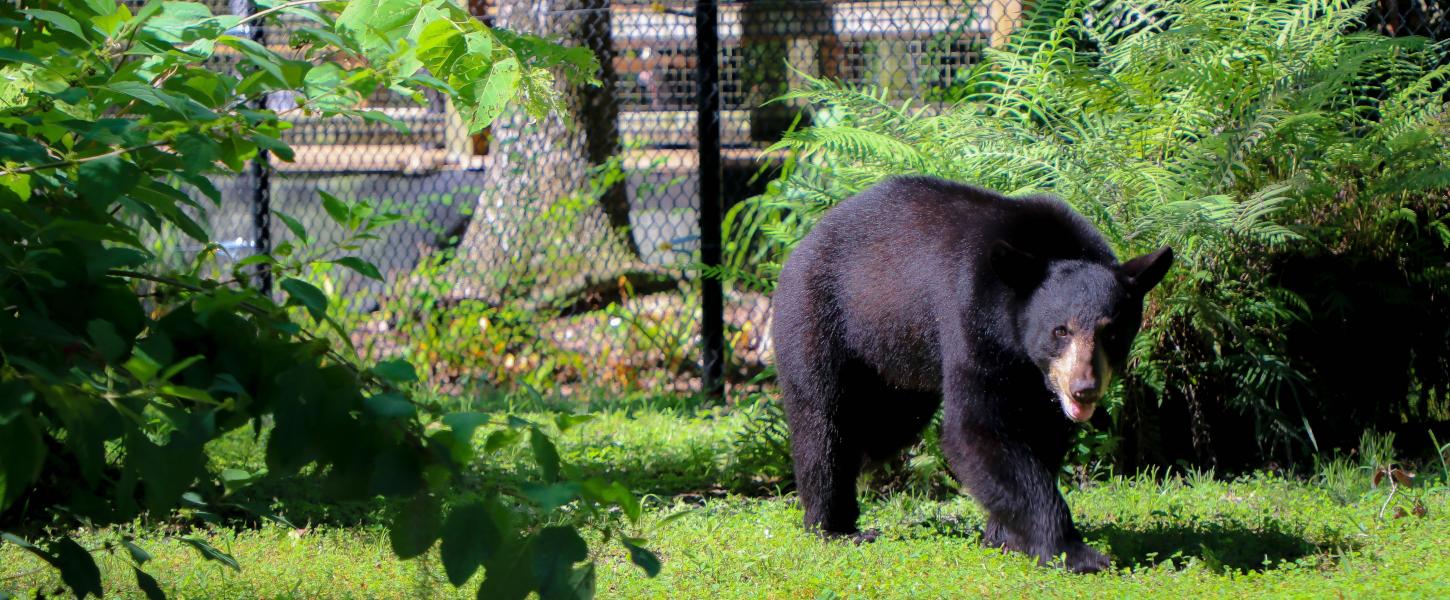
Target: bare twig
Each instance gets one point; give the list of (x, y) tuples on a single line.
[(280, 7)]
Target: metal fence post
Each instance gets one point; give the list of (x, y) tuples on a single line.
[(261, 168), (707, 98)]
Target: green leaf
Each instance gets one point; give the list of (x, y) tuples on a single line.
[(377, 116), (171, 371), (236, 479), (210, 553), (148, 585), (303, 35), (77, 569), (138, 555), (182, 106), (545, 455), (577, 63), (469, 538), (19, 149), (18, 184), (509, 576), (336, 208), (365, 268), (380, 28), (103, 8), (22, 454), (397, 371), (168, 471), (398, 468), (186, 392), (294, 225), (613, 493), (441, 45), (110, 16), (489, 99), (106, 340), (307, 295), (139, 91), (582, 583), (390, 405), (556, 549), (102, 180), (16, 540), (235, 151), (642, 557), (60, 22), (142, 366), (552, 496), (415, 527), (565, 422), (501, 439), (258, 55), (15, 395), (16, 56), (276, 146), (176, 22)]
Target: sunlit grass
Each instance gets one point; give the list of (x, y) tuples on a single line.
[(1171, 536)]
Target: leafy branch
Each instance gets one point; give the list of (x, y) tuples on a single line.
[(166, 357)]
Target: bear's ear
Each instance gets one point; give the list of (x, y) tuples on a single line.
[(1144, 272), (1019, 270)]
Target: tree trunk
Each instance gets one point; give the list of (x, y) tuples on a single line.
[(539, 228), (599, 114), (768, 31)]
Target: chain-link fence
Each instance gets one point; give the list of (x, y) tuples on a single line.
[(564, 252), (1427, 18)]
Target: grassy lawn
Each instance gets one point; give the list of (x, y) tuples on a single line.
[(1259, 535)]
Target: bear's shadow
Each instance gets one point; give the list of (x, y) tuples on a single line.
[(1218, 546)]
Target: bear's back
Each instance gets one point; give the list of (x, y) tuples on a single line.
[(920, 221), (896, 264)]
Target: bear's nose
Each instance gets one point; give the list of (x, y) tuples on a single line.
[(1085, 391)]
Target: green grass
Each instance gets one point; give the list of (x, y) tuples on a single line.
[(1171, 536)]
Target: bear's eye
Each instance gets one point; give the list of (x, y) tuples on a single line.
[(1060, 331)]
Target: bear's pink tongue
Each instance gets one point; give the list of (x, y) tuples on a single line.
[(1078, 412)]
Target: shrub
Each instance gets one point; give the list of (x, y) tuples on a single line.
[(118, 366)]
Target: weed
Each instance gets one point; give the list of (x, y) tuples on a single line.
[(762, 444)]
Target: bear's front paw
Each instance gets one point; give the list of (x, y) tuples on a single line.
[(1082, 558), (857, 537), (997, 536)]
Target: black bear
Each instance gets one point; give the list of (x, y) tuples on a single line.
[(1013, 312)]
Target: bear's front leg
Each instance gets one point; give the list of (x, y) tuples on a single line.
[(1026, 512)]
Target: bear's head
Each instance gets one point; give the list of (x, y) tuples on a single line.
[(1078, 318)]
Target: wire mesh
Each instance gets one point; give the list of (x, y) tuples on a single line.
[(1426, 18), (564, 252)]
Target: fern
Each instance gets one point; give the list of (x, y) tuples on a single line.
[(1233, 130)]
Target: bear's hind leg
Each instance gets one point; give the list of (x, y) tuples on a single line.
[(827, 464)]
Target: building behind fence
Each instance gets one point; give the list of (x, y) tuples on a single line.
[(565, 253)]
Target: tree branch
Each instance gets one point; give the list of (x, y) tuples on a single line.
[(76, 161)]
